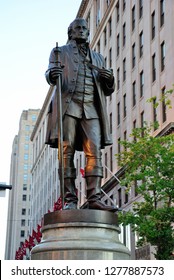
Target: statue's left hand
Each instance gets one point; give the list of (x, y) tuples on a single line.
[(107, 74)]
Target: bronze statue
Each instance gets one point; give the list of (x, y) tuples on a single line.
[(85, 83)]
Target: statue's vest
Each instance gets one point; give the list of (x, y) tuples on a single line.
[(82, 101)]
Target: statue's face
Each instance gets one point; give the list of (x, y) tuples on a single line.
[(80, 31)]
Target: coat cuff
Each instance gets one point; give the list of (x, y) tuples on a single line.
[(47, 76)]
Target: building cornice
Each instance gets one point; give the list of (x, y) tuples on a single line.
[(82, 8), (167, 130), (102, 24)]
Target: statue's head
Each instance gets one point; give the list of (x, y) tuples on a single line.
[(78, 30)]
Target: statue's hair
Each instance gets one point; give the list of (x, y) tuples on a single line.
[(71, 27)]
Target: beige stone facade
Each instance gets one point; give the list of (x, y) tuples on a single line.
[(45, 182), (136, 39)]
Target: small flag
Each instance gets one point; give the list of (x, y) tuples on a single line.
[(82, 171)]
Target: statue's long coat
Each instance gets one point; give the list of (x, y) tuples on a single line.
[(69, 57)]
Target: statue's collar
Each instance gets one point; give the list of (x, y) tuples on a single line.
[(74, 43)]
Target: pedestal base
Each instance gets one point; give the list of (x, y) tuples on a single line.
[(80, 235)]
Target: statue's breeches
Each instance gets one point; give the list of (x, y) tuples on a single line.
[(89, 131)]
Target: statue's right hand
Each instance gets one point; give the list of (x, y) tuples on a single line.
[(55, 72)]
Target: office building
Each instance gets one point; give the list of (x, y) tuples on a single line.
[(136, 39), (18, 220)]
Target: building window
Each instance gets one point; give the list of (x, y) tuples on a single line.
[(110, 122), (111, 162), (124, 106), (88, 21), (164, 115), (162, 11), (118, 78), (134, 124), (110, 58), (22, 223), (77, 166), (124, 5), (124, 69), (27, 127), (142, 123), (98, 12), (153, 24), (80, 160), (136, 187), (118, 44), (141, 43), (124, 235), (105, 60), (117, 12), (153, 68), (119, 146), (98, 46), (119, 198), (22, 233), (25, 166), (154, 111), (33, 118), (118, 113), (25, 156), (140, 8), (27, 137), (125, 135), (124, 34), (142, 119), (134, 127), (106, 171), (119, 150), (26, 146), (110, 27), (133, 56), (141, 83), (133, 18), (134, 94), (24, 197), (105, 36), (126, 197), (108, 2), (23, 211), (163, 54), (125, 138), (24, 187), (25, 177)]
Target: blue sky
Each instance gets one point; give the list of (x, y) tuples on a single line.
[(29, 30)]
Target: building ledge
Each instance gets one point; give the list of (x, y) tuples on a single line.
[(169, 129)]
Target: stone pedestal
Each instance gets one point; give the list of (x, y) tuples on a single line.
[(80, 235)]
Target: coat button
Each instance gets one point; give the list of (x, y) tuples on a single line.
[(68, 100)]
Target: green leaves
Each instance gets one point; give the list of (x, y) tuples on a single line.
[(149, 161), (164, 98)]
